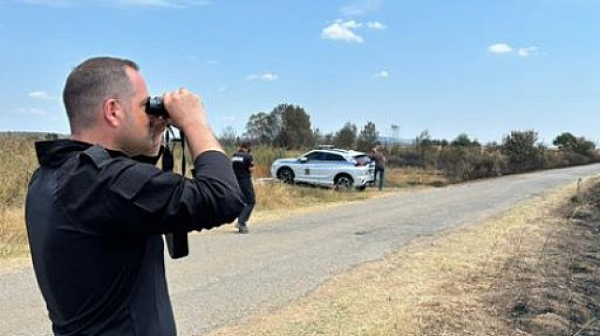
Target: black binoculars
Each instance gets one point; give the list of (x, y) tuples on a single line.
[(156, 107)]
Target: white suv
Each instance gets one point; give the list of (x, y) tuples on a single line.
[(339, 168)]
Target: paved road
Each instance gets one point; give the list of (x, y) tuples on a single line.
[(230, 276)]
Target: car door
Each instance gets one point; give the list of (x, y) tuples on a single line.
[(304, 170), (329, 167)]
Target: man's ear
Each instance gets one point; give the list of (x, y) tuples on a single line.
[(113, 113)]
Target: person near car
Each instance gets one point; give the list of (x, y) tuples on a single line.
[(97, 205), (243, 166), (380, 160)]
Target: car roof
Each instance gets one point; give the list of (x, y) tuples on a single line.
[(337, 151)]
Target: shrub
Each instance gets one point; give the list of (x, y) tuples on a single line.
[(461, 164), (521, 152)]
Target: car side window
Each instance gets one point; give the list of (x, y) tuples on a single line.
[(333, 157), (314, 156)]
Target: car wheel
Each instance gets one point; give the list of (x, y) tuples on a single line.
[(343, 183), (286, 175)]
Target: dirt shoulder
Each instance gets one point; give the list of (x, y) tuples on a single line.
[(530, 271)]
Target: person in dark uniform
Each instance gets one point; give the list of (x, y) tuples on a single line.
[(243, 166), (97, 205)]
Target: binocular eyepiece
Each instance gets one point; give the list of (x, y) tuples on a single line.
[(156, 107)]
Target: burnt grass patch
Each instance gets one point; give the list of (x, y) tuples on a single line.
[(557, 291)]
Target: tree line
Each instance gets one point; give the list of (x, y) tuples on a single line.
[(288, 127)]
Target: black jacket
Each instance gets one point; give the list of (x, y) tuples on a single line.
[(94, 219), (242, 162)]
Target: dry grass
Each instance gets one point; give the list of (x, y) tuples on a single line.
[(447, 285), (17, 163), (557, 291), (13, 241), (411, 176), (279, 196)]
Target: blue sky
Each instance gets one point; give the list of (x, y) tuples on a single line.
[(479, 67)]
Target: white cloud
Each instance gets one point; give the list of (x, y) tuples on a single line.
[(500, 48), (30, 111), (376, 25), (42, 95), (503, 48), (361, 7), (269, 77), (119, 3), (382, 74), (222, 89), (341, 30), (524, 52)]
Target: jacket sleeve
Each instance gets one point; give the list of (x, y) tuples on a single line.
[(145, 200)]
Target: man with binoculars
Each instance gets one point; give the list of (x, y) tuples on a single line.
[(97, 205)]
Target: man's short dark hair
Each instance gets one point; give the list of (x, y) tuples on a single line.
[(90, 83), (246, 145)]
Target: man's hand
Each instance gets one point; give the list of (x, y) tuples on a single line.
[(185, 108), (187, 112)]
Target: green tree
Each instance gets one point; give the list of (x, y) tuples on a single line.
[(296, 130), (367, 138), (262, 128), (462, 140), (345, 137), (286, 126), (570, 143), (521, 151)]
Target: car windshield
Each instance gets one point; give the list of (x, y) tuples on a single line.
[(362, 159)]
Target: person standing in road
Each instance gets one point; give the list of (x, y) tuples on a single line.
[(97, 205), (243, 166), (379, 158)]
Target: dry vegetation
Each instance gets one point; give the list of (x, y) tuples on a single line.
[(411, 176), (279, 196), (533, 271), (17, 163)]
